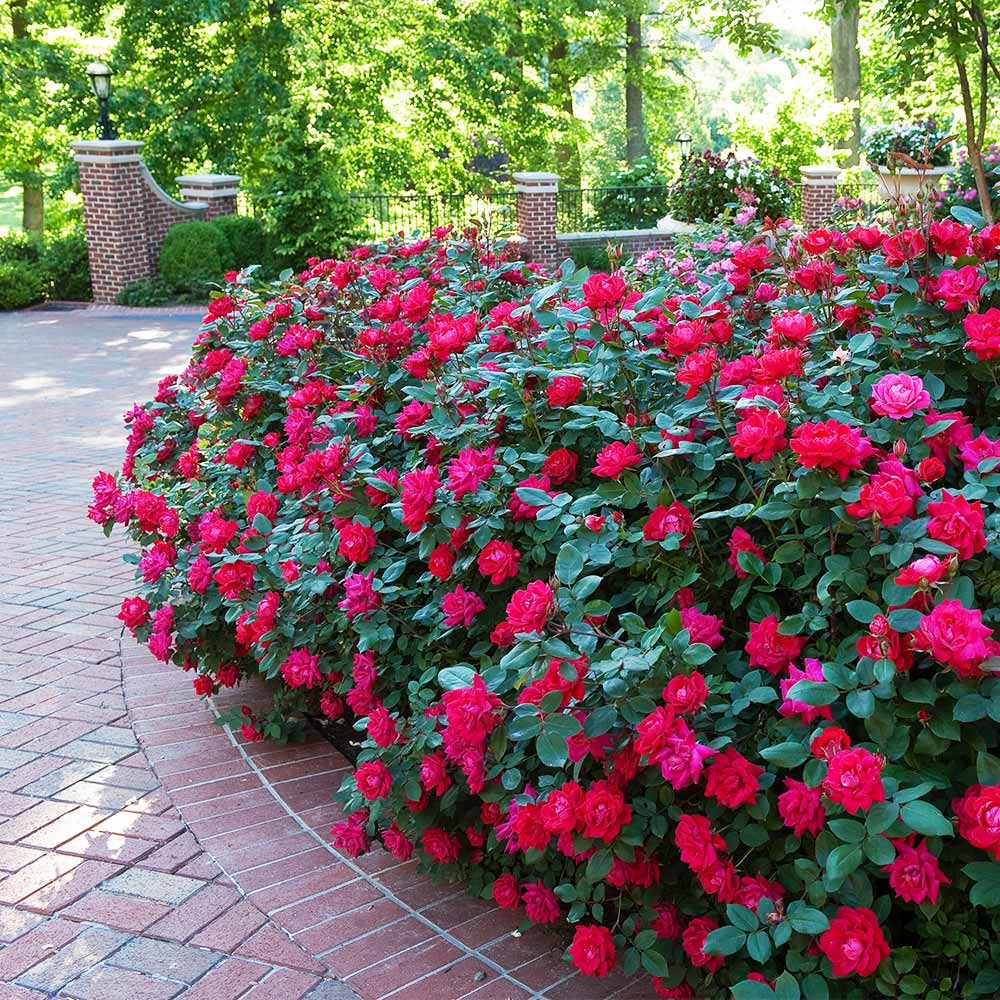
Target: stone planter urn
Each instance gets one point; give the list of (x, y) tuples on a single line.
[(905, 183)]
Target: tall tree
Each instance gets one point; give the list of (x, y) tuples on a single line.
[(845, 66), (959, 32)]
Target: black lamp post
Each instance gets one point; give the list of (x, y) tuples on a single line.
[(100, 80), (683, 140)]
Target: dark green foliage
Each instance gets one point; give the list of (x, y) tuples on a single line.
[(50, 267), (192, 256), (635, 198), (66, 267), (156, 292), (21, 285), (307, 212), (245, 241), (594, 257)]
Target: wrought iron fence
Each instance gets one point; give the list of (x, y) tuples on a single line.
[(581, 210), (859, 199), (382, 215)]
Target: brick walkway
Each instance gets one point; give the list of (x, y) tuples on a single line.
[(144, 851)]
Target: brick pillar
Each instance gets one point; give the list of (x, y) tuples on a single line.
[(819, 195), (217, 191), (113, 186), (536, 215)]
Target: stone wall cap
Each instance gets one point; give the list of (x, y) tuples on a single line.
[(220, 179), (826, 170), (107, 145), (536, 181), (615, 234)]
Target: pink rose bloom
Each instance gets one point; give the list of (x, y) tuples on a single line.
[(955, 636), (702, 627), (360, 596), (682, 758), (898, 396), (808, 713), (460, 607)]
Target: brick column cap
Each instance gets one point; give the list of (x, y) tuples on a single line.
[(201, 187), (209, 180), (535, 182), (826, 174), (107, 150)]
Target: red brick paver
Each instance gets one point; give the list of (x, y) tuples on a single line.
[(144, 850)]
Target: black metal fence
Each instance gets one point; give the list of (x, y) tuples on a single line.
[(383, 215), (581, 210)]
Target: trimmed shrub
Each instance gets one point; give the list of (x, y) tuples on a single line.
[(21, 285), (662, 602), (67, 267), (634, 198), (192, 256), (244, 241)]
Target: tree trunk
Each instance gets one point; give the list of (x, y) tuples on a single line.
[(33, 209), (845, 68), (635, 122), (567, 155), (32, 196), (973, 145)]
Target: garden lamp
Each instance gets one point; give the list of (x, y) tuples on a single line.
[(684, 142), (100, 80)]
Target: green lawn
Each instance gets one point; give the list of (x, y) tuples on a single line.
[(10, 210)]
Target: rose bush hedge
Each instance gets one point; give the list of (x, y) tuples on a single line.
[(662, 601)]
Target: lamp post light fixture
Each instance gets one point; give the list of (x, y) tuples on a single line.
[(683, 140), (100, 80)]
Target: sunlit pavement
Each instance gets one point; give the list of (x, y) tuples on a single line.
[(145, 852)]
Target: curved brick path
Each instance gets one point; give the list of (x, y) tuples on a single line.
[(144, 850)]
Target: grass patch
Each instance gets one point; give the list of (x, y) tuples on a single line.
[(10, 210)]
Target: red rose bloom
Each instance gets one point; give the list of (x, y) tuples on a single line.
[(603, 290), (356, 542), (673, 520), (440, 562), (854, 942), (613, 459), (955, 636), (373, 780), (686, 692), (560, 466), (915, 874), (593, 950), (978, 813), (604, 811), (854, 779), (506, 892), (693, 942), (831, 740), (830, 445), (801, 808), (498, 561), (760, 435), (540, 903), (530, 608), (563, 390), (561, 810), (441, 845), (769, 649), (134, 612), (731, 779)]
